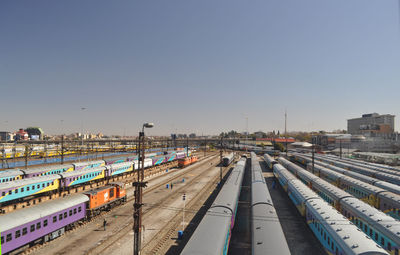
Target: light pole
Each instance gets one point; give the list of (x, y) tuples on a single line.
[(139, 185), (82, 109)]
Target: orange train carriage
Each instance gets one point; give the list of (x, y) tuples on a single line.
[(105, 198), (187, 161)]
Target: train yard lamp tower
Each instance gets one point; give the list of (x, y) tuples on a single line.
[(139, 185)]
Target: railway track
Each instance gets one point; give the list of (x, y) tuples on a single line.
[(127, 178), (154, 208), (96, 220), (163, 241)]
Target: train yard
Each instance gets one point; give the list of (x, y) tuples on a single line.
[(339, 206)]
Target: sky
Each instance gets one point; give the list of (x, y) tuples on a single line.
[(197, 66)]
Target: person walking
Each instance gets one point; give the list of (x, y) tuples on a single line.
[(104, 224)]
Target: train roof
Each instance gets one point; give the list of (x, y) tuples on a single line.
[(288, 175), (381, 221), (121, 164), (86, 163), (46, 168), (349, 237), (84, 171), (303, 190), (388, 186), (267, 236), (17, 218), (391, 196), (10, 172), (362, 184), (28, 181), (331, 189)]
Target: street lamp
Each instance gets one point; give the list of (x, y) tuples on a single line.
[(139, 185)]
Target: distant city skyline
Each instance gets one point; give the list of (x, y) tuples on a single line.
[(196, 67)]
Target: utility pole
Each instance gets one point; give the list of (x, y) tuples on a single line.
[(139, 185), (340, 142), (26, 155), (220, 163), (312, 140), (286, 134), (205, 146), (62, 149), (187, 146)]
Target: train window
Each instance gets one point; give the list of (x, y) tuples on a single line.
[(17, 233), (27, 188), (38, 225), (332, 246), (396, 251), (376, 236), (38, 186), (329, 241), (2, 239), (32, 227), (9, 192), (45, 223), (389, 246), (370, 232), (8, 238), (16, 191), (24, 231), (365, 228), (60, 216), (70, 212), (3, 194), (43, 185), (324, 235), (65, 215), (361, 224), (79, 209), (74, 210), (54, 219), (382, 241)]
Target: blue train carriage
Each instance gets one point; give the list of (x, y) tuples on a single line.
[(269, 161), (389, 203), (336, 233), (11, 175), (299, 194), (40, 223), (82, 176), (20, 189), (88, 164), (119, 168), (382, 228), (47, 170), (283, 176)]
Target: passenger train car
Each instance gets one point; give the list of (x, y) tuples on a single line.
[(371, 180), (213, 234), (267, 233), (227, 160), (374, 223), (49, 220), (337, 234), (395, 179)]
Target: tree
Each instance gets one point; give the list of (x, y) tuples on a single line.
[(279, 146)]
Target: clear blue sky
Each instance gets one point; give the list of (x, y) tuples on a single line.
[(197, 66)]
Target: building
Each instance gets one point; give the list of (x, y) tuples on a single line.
[(21, 134), (371, 124), (35, 133), (6, 136)]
